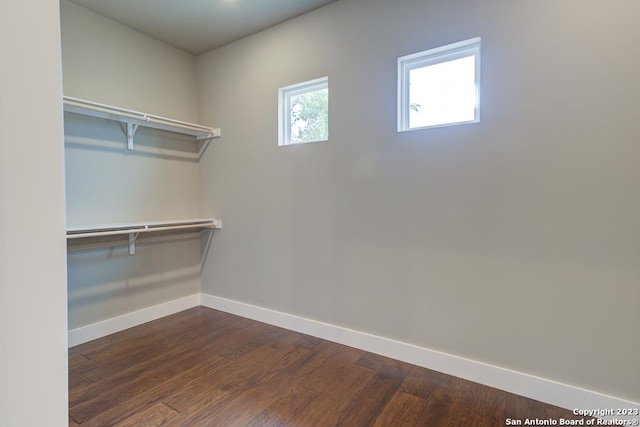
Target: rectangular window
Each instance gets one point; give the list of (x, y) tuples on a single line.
[(303, 111), (439, 87)]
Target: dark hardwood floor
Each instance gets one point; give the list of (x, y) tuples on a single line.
[(202, 367)]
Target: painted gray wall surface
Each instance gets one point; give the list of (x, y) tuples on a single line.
[(112, 64), (514, 241), (33, 327), (106, 183)]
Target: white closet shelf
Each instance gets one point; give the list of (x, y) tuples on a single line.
[(135, 228), (140, 227), (132, 119)]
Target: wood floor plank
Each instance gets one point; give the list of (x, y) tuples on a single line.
[(77, 360), (445, 410), (322, 411), (77, 381), (143, 400), (149, 339), (455, 399), (403, 409), (367, 404), (211, 340), (291, 401), (426, 383), (422, 382), (308, 342), (235, 407), (154, 416), (113, 393), (216, 390), (230, 409), (249, 339), (183, 340), (203, 367), (336, 378), (92, 348)]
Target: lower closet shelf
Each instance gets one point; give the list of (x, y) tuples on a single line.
[(134, 229)]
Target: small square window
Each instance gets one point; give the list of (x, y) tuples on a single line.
[(303, 111), (439, 87)]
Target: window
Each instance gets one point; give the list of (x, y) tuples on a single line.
[(304, 112), (439, 87)]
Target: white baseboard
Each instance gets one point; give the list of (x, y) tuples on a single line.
[(544, 390), (129, 320)]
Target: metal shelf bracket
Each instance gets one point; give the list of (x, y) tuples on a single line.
[(130, 131), (132, 243)]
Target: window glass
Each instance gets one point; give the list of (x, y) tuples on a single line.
[(439, 87), (304, 112)]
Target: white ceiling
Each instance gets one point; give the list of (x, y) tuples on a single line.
[(198, 26)]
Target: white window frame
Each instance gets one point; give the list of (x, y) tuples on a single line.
[(429, 57), (284, 107)]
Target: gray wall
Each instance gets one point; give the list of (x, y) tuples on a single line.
[(33, 333), (105, 183), (109, 63), (513, 241)]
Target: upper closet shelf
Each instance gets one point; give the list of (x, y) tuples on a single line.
[(132, 119), (140, 227), (134, 229)]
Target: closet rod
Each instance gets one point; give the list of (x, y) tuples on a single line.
[(114, 231), (132, 114)]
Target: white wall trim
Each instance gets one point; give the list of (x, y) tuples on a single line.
[(129, 320), (544, 390)]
